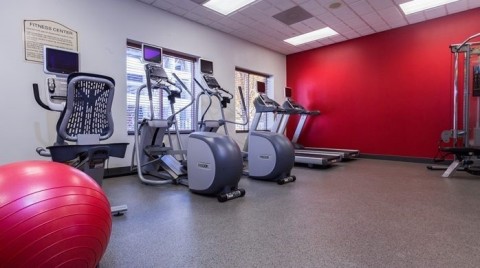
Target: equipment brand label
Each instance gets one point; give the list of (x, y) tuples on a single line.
[(203, 165)]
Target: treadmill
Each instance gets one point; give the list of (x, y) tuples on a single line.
[(290, 104), (263, 104)]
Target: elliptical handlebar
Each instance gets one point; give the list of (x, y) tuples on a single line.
[(204, 90), (244, 108), (224, 97), (43, 152), (157, 78), (209, 94), (36, 94), (215, 90), (221, 94), (182, 86), (230, 95)]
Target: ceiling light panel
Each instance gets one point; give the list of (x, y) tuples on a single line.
[(420, 5), (226, 7), (311, 36)]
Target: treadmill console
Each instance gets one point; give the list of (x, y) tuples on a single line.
[(261, 89), (290, 103), (269, 102)]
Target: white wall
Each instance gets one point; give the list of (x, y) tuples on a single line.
[(103, 27)]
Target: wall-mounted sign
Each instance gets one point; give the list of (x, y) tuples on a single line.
[(40, 33)]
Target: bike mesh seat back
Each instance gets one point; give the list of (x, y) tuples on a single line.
[(88, 107)]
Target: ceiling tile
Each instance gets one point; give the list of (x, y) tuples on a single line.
[(416, 17), (436, 12), (353, 19), (314, 23), (365, 30), (351, 34), (301, 27), (162, 5), (178, 11), (314, 7), (362, 7), (457, 6), (473, 4), (282, 5), (381, 4)]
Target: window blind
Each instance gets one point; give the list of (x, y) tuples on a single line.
[(183, 67), (248, 81)]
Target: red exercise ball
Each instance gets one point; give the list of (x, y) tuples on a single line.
[(51, 215)]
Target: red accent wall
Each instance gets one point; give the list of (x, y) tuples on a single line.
[(388, 93)]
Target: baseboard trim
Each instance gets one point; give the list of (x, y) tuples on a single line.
[(126, 171), (420, 160), (117, 172)]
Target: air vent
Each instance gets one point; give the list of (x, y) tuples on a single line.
[(293, 15)]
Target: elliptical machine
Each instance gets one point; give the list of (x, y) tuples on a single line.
[(214, 161), (156, 163), (270, 156)]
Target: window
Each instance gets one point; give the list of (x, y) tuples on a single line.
[(248, 81), (183, 67)]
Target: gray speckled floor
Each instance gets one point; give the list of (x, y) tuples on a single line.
[(365, 213)]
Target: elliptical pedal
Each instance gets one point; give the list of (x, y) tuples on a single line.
[(156, 150), (171, 165)]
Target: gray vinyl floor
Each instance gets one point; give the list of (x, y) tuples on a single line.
[(364, 213)]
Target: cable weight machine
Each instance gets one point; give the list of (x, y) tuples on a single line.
[(464, 136)]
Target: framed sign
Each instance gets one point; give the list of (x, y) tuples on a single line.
[(40, 33)]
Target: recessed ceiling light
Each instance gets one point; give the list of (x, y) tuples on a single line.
[(226, 7), (311, 36), (419, 5)]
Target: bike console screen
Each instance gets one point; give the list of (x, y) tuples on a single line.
[(60, 62)]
